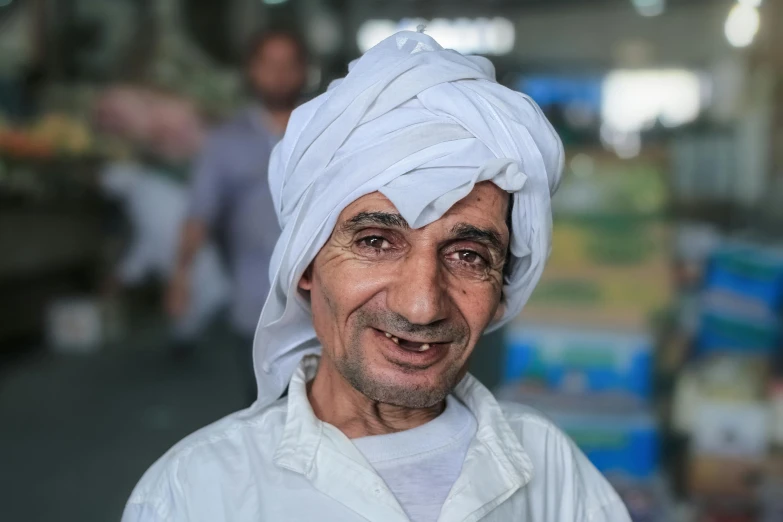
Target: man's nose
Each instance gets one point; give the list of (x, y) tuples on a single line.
[(419, 292)]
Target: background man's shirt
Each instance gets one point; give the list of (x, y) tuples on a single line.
[(230, 193)]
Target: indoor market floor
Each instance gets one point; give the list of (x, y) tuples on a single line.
[(77, 431)]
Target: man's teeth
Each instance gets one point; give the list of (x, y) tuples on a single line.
[(423, 348)]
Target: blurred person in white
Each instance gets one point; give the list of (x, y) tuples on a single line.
[(166, 132), (414, 197), (156, 207), (230, 198)]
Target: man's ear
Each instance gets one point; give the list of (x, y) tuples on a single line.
[(306, 281)]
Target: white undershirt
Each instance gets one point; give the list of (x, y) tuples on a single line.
[(421, 465)]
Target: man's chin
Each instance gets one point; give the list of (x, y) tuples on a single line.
[(383, 371), (405, 397), (403, 387)]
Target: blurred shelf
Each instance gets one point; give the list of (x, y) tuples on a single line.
[(38, 241), (51, 236)]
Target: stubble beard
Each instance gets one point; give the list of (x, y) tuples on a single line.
[(354, 368)]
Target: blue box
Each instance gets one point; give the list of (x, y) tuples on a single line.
[(722, 332), (623, 446), (742, 301), (579, 361), (618, 433), (748, 271)]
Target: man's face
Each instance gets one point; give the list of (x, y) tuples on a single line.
[(277, 73), (399, 311)]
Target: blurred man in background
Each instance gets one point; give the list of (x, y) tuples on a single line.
[(230, 195)]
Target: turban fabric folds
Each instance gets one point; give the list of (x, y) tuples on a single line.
[(422, 125)]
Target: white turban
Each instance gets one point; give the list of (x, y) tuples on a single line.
[(422, 125)]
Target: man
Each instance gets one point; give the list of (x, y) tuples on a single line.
[(415, 203), (230, 192)]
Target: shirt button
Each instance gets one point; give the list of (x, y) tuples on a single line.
[(266, 367)]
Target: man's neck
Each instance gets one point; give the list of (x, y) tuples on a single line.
[(277, 119), (335, 401)]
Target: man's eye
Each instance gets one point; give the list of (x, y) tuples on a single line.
[(469, 257), (375, 242)]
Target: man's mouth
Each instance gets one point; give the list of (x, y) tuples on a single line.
[(412, 346), (418, 353)]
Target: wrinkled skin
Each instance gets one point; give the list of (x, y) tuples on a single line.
[(440, 284)]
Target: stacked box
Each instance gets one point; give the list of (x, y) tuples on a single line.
[(595, 384), (743, 297), (610, 260), (580, 351), (618, 445), (579, 361), (607, 271), (618, 433)]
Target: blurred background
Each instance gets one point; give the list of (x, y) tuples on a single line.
[(654, 339)]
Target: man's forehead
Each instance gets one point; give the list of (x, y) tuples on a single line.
[(486, 202), (374, 201)]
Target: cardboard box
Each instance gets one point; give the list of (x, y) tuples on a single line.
[(742, 300), (739, 430), (611, 244), (619, 434), (579, 361), (609, 272), (749, 271), (728, 477)]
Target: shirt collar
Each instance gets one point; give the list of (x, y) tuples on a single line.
[(303, 431), (493, 428)]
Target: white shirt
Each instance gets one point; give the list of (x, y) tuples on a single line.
[(282, 463), (421, 465)]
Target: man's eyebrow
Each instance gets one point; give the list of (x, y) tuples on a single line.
[(466, 231), (377, 219)]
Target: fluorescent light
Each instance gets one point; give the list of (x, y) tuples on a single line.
[(626, 145), (742, 25), (635, 100), (274, 2), (649, 7), (493, 36), (372, 32)]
